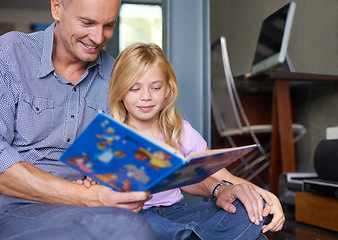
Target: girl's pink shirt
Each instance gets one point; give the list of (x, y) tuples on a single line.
[(192, 142)]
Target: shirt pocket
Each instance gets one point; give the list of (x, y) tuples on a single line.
[(92, 108), (97, 106), (35, 117)]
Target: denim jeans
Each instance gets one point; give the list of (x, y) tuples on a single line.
[(22, 219), (201, 221)]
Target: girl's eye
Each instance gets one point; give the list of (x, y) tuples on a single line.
[(134, 89), (156, 87)]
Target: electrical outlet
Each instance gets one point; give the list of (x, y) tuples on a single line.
[(332, 133)]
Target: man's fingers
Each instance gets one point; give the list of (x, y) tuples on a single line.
[(228, 207), (79, 181), (259, 205), (252, 201), (127, 197), (266, 198), (128, 200), (133, 201), (87, 183), (135, 206)]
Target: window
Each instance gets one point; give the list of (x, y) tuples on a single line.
[(140, 23)]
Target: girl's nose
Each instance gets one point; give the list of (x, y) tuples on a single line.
[(145, 95)]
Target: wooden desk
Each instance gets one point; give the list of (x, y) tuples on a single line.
[(283, 157), (317, 210)]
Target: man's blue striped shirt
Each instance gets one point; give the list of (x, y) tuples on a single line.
[(41, 113)]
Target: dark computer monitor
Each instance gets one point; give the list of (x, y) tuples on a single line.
[(273, 40)]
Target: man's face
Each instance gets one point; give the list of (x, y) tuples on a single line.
[(84, 27)]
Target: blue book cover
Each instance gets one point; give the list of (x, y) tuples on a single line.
[(117, 156)]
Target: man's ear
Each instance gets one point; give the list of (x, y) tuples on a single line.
[(55, 6)]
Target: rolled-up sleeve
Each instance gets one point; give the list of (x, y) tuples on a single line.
[(8, 155)]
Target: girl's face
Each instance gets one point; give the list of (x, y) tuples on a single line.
[(145, 99)]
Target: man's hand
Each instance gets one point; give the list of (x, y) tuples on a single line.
[(133, 201), (87, 182), (104, 196), (247, 194), (251, 196), (274, 209)]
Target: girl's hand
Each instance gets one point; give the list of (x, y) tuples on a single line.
[(276, 210), (87, 182)]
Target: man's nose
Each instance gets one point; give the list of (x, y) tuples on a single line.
[(97, 35)]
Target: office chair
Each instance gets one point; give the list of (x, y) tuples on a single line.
[(231, 120)]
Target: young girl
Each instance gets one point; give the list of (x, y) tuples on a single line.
[(142, 93)]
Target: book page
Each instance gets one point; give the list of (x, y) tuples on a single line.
[(201, 166), (215, 151)]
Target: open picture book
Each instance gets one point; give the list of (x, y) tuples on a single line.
[(117, 156)]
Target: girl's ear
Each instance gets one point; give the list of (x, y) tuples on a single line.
[(168, 91)]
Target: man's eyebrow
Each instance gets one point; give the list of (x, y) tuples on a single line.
[(113, 22), (86, 19)]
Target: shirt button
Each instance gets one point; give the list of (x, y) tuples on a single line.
[(68, 139), (72, 116), (74, 89), (37, 109)]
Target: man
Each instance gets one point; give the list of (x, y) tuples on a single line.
[(52, 84)]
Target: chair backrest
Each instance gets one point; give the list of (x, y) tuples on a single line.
[(227, 107), (224, 102), (229, 114)]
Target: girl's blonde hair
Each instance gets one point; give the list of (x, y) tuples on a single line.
[(130, 66)]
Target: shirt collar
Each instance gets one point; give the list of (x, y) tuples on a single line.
[(46, 66), (98, 62)]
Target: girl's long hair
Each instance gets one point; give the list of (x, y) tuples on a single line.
[(130, 66)]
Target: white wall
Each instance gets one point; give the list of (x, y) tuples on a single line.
[(22, 18), (313, 43), (188, 51)]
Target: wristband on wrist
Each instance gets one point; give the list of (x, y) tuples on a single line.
[(217, 187)]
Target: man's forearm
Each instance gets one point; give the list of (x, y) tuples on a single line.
[(24, 180)]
